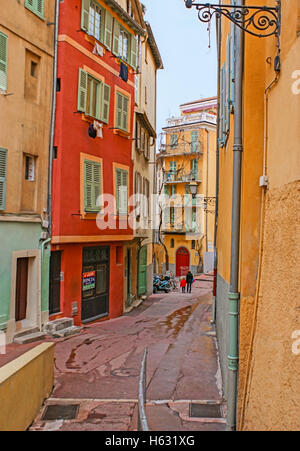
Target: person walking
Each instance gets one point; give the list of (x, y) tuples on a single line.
[(189, 281), (183, 284)]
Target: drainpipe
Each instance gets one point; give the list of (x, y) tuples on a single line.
[(214, 310), (207, 175), (52, 127), (234, 295)]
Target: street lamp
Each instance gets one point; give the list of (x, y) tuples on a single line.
[(193, 189)]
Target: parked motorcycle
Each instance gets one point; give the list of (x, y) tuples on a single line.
[(161, 283)]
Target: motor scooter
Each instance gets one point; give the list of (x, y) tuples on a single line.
[(161, 284)]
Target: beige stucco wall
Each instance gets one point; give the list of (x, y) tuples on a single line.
[(24, 384), (27, 119), (272, 398)]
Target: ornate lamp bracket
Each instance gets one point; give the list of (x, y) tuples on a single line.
[(260, 21)]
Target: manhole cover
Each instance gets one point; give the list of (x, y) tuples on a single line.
[(60, 412), (205, 411)]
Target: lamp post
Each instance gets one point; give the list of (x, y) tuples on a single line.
[(193, 189)]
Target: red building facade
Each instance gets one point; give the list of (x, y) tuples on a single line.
[(97, 57)]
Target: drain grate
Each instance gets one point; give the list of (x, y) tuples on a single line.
[(60, 412), (205, 410)]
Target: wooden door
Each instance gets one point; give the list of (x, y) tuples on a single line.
[(21, 288), (182, 262), (142, 268), (54, 290)]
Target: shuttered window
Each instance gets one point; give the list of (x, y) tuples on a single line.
[(92, 185), (93, 97), (228, 85), (97, 22), (222, 107), (174, 141), (122, 191), (124, 45), (122, 112), (3, 173), (3, 61), (36, 6), (194, 167), (194, 141)]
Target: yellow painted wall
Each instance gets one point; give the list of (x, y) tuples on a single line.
[(24, 384), (268, 386)]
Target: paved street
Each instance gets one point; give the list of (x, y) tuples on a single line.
[(99, 368)]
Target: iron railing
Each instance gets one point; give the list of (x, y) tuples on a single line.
[(142, 418)]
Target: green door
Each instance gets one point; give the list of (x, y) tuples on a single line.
[(142, 268)]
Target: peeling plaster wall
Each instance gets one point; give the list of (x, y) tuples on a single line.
[(275, 369)]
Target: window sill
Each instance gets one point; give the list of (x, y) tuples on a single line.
[(87, 118), (92, 40), (122, 133)]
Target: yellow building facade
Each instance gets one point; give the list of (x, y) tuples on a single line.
[(26, 95), (268, 264), (186, 177)]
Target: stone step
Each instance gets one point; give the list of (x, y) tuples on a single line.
[(23, 332), (29, 338), (52, 327), (73, 330)]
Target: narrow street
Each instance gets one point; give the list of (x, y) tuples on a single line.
[(98, 370)]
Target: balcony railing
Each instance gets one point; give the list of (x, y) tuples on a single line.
[(172, 177), (191, 118)]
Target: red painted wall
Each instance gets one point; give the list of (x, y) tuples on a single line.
[(71, 139), (71, 132)]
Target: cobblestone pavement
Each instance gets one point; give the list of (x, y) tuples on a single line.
[(98, 370)]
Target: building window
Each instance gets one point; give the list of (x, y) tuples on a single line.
[(36, 6), (96, 19), (124, 45), (194, 141), (122, 112), (122, 191), (93, 97), (174, 141), (3, 61), (193, 244), (32, 67), (172, 243), (29, 168), (3, 174), (194, 169), (92, 185)]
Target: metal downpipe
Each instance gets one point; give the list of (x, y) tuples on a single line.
[(234, 295)]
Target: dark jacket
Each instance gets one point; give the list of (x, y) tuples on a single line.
[(189, 277)]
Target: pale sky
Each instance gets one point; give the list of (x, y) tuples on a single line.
[(190, 67)]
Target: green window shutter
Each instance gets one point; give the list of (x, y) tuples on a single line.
[(36, 6), (99, 94), (40, 7), (3, 172), (228, 85), (82, 91), (232, 66), (174, 141), (195, 169), (133, 57), (122, 191), (85, 8), (194, 141), (105, 103), (166, 190), (3, 61), (173, 190), (116, 37), (119, 110), (173, 167), (92, 185), (125, 113), (108, 29), (222, 105)]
